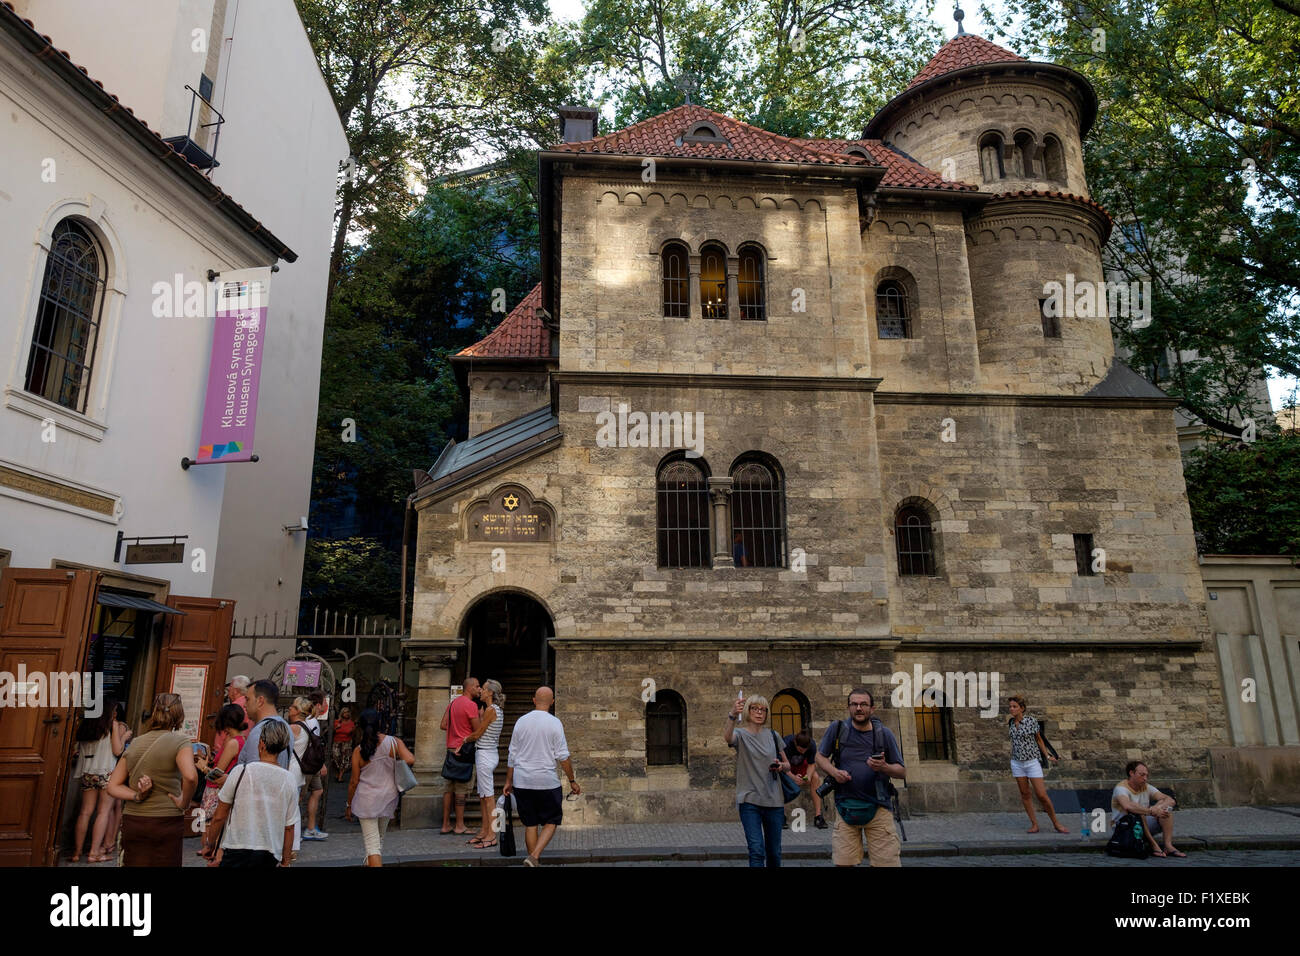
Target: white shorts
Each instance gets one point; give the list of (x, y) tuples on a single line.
[(485, 761), (1026, 768)]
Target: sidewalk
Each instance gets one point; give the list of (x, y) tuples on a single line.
[(949, 834)]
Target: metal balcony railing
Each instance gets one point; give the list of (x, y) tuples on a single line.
[(187, 145)]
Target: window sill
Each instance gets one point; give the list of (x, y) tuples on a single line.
[(63, 418)]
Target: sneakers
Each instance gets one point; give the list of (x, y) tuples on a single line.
[(314, 835), (819, 822)]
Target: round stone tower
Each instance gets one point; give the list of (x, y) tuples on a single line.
[(980, 114)]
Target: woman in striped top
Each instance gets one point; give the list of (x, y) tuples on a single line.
[(487, 735)]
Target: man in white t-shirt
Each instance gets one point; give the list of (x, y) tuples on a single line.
[(1135, 796), (536, 744), (257, 808)]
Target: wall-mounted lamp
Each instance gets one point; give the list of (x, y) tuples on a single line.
[(295, 528)]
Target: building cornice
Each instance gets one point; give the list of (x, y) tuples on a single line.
[(996, 399), (687, 380)]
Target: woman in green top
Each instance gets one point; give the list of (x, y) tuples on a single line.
[(156, 778)]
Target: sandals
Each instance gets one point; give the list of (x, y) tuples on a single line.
[(1159, 853), (486, 846), (1176, 854)]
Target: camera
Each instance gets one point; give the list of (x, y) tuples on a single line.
[(828, 785)]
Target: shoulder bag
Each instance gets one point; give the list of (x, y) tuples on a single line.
[(402, 773)]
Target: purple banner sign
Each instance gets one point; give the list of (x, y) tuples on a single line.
[(230, 409)]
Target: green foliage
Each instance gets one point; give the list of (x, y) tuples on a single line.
[(1197, 139), (792, 68), (1243, 496), (352, 576)]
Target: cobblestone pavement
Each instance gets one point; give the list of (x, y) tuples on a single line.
[(1209, 858)]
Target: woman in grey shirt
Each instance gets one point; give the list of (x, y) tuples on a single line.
[(760, 760)]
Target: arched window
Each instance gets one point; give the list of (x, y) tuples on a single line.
[(1027, 167), (682, 490), (757, 515), (934, 737), (914, 539), (991, 157), (1054, 159), (665, 730), (791, 713), (677, 281), (68, 317), (893, 310), (713, 282), (753, 298)]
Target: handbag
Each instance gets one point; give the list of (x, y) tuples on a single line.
[(457, 769), (403, 776), (506, 840), (790, 790)]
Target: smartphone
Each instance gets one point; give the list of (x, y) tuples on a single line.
[(214, 775)]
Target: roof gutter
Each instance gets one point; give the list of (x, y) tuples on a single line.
[(871, 173), (42, 49)]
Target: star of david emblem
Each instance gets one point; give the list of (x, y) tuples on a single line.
[(511, 502)]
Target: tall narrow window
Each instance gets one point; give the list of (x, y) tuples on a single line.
[(753, 301), (757, 516), (1051, 321), (893, 311), (1026, 151), (683, 504), (665, 730), (676, 281), (1054, 159), (713, 282), (1083, 554), (68, 318), (991, 157), (914, 539)]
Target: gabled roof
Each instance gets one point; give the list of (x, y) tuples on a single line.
[(666, 135), (78, 77), (901, 170), (1122, 382), (962, 51), (495, 447), (521, 334)]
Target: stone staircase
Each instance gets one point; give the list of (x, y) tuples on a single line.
[(519, 682)]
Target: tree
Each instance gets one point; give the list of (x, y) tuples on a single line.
[(1243, 497), (1198, 142), (799, 69)]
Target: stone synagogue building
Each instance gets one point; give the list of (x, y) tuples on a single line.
[(786, 416)]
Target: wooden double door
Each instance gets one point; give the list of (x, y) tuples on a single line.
[(46, 618)]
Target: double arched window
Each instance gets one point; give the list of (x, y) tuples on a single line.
[(72, 295), (682, 490), (677, 281)]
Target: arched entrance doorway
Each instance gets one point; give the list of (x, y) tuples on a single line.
[(505, 635)]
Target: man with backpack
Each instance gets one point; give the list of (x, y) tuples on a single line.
[(1148, 808), (315, 781), (859, 756)]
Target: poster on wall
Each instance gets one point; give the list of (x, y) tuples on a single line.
[(302, 673), (189, 683), (235, 369)]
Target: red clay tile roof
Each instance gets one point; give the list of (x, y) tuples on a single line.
[(520, 335), (146, 136), (1054, 194), (661, 136), (900, 170), (962, 51)]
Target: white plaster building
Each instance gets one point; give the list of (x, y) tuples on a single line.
[(80, 176)]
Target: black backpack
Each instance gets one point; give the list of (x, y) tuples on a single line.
[(313, 757), (1128, 839)]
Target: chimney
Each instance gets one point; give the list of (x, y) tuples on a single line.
[(577, 123)]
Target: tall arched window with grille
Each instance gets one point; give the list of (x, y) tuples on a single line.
[(682, 490), (750, 284), (713, 282), (893, 310), (757, 515), (665, 730), (914, 540), (677, 281), (71, 307)]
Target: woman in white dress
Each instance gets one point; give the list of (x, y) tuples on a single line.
[(487, 736)]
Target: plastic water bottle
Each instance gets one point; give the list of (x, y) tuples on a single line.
[(1086, 829)]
